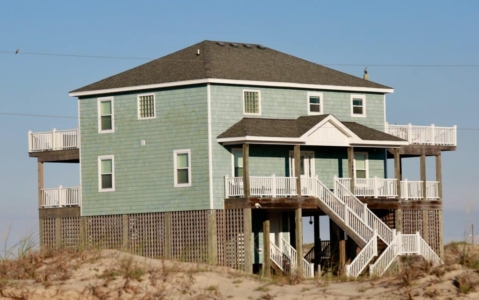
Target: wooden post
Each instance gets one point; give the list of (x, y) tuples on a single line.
[(297, 168), (423, 175), (351, 173), (125, 223), (213, 238), (246, 170), (342, 255), (317, 241), (266, 246), (40, 183), (335, 236), (298, 216), (398, 176), (248, 240), (167, 235), (439, 175)]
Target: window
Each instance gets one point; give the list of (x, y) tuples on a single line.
[(252, 102), (361, 165), (315, 103), (146, 106), (105, 115), (182, 168), (358, 106), (106, 173), (237, 162)]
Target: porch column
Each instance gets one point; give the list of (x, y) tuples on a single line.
[(246, 189), (441, 226), (299, 240), (317, 242), (398, 176), (351, 168), (266, 246), (40, 187), (297, 168), (248, 240), (425, 213)]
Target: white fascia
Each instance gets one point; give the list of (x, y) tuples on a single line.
[(233, 82)]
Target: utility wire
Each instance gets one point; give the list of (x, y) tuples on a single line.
[(124, 120), (192, 60)]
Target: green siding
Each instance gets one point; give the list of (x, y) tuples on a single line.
[(144, 174), (227, 109)]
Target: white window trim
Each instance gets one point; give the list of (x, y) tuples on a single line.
[(104, 99), (259, 103), (362, 97), (175, 176), (291, 162), (366, 164), (138, 106), (233, 159), (106, 157), (321, 103)]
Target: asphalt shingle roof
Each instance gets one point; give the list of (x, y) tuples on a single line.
[(294, 128), (225, 60)]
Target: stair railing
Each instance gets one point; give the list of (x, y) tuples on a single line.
[(292, 255), (276, 256), (384, 232), (357, 266), (344, 212)]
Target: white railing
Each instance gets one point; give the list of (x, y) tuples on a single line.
[(276, 256), (371, 187), (60, 197), (413, 190), (362, 210), (292, 255), (53, 140), (343, 211), (404, 244), (356, 267), (261, 186), (424, 135)]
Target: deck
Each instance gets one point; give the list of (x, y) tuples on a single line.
[(55, 146)]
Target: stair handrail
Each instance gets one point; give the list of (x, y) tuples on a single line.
[(388, 256), (276, 255), (384, 232), (342, 211), (292, 254), (361, 261)]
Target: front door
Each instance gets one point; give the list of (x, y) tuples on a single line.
[(306, 164)]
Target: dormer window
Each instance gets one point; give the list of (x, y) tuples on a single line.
[(358, 106), (315, 103)]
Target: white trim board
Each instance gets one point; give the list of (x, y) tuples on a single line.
[(233, 82)]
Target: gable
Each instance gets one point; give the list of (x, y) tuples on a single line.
[(327, 134)]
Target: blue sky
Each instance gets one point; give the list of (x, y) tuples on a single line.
[(386, 36)]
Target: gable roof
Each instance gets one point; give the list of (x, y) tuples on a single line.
[(294, 130), (230, 61)]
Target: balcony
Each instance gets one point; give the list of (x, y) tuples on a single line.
[(387, 188), (53, 140), (61, 197), (424, 135)]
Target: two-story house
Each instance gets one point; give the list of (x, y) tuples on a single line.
[(216, 152)]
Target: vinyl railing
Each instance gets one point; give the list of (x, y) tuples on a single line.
[(413, 190), (261, 186), (424, 135), (276, 256), (356, 267), (61, 196), (292, 255), (372, 187), (386, 187), (53, 140), (403, 244), (362, 210)]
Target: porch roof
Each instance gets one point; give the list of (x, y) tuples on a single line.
[(307, 130)]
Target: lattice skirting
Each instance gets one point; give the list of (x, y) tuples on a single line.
[(192, 236), (413, 221)]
